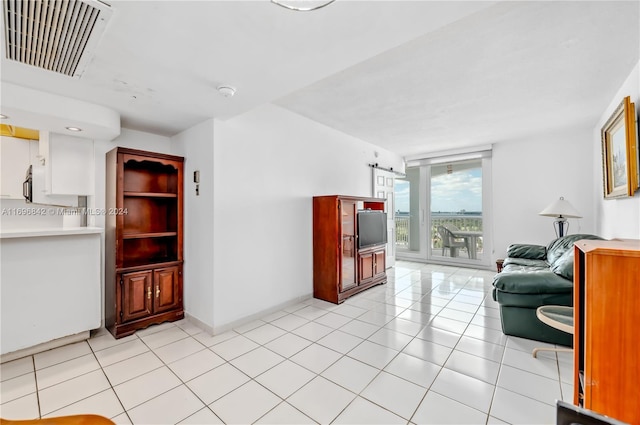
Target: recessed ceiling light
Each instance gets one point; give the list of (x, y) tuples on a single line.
[(227, 91), (3, 116), (73, 128)]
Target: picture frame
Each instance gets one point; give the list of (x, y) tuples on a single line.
[(620, 152)]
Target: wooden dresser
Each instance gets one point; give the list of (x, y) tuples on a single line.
[(607, 328)]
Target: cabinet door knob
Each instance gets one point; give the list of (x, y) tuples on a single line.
[(148, 292), (157, 291)]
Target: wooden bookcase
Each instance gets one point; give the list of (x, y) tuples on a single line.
[(340, 268), (144, 241), (606, 317)]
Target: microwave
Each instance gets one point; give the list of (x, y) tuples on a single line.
[(27, 185), (33, 190)]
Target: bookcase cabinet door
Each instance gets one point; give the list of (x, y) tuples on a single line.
[(366, 267), (136, 295), (379, 263), (167, 289)]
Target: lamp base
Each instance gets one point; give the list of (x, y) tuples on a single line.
[(559, 226)]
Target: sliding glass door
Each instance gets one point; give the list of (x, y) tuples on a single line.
[(408, 215), (456, 210), (442, 211)]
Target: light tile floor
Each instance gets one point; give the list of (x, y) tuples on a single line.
[(424, 348)]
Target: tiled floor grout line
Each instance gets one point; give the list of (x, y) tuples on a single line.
[(562, 397), (288, 359), (230, 364), (379, 370), (495, 387), (66, 380), (413, 338), (442, 367), (282, 400), (370, 382), (182, 382), (35, 378), (110, 384)]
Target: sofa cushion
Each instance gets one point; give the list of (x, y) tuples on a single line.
[(522, 322), (563, 266), (527, 280), (559, 246), (533, 301), (533, 252), (517, 263)]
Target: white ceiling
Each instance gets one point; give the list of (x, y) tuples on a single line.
[(409, 76)]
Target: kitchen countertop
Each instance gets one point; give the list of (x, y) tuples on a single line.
[(40, 232)]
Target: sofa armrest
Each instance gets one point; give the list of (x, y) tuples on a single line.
[(532, 252)]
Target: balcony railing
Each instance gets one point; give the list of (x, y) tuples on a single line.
[(464, 222), (402, 231), (469, 223)]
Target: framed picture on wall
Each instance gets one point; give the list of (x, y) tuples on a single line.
[(620, 152)]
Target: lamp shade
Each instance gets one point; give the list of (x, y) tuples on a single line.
[(560, 208)]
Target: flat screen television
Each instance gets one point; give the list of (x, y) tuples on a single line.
[(372, 228)]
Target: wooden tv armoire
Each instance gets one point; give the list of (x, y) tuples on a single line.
[(340, 268), (144, 240)]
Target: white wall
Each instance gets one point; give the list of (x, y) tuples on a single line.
[(196, 145), (616, 218), (529, 174), (268, 164)]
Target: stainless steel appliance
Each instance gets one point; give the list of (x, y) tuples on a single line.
[(27, 185)]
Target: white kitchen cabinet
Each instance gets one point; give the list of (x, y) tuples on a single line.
[(69, 164), (15, 157)]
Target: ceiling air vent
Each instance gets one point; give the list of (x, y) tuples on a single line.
[(56, 35)]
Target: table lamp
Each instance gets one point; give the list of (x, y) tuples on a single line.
[(561, 209)]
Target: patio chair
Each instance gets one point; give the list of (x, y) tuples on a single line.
[(450, 241)]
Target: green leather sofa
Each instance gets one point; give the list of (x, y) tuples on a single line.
[(533, 276)]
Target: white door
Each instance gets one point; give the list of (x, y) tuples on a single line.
[(383, 187)]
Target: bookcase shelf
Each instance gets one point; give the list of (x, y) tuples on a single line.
[(150, 195), (148, 235)]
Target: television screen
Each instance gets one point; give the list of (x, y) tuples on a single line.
[(372, 228)]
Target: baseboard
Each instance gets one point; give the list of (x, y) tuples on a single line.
[(215, 330), (199, 323), (45, 346), (237, 323), (436, 262)]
